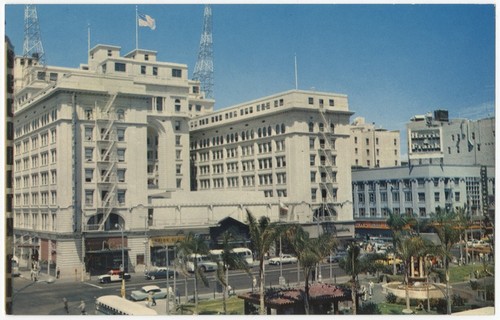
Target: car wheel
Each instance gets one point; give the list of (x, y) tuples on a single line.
[(278, 263), (153, 277), (203, 268)]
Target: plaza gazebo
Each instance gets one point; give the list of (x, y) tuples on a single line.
[(291, 300)]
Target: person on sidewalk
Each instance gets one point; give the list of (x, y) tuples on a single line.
[(82, 307), (58, 273), (65, 301), (370, 289)]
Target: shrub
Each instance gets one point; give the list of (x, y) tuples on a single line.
[(368, 308), (457, 300), (474, 284), (391, 298), (439, 305)]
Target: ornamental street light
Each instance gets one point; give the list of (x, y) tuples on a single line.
[(122, 266)]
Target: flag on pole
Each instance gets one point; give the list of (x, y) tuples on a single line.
[(146, 21)]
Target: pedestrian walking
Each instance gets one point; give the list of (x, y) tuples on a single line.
[(65, 301), (82, 307), (153, 300), (370, 289), (58, 273)]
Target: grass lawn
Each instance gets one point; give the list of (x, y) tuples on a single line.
[(397, 309), (214, 306)]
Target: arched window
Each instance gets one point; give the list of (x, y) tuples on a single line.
[(251, 134), (278, 129), (269, 131), (259, 133), (311, 127), (232, 137), (264, 132), (282, 128), (243, 136)]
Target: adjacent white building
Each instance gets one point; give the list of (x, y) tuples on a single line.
[(374, 147)]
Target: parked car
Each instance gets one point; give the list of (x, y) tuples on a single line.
[(160, 273), (143, 294), (336, 257), (286, 258), (113, 276)]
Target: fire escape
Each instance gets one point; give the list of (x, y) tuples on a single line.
[(106, 164), (328, 173)]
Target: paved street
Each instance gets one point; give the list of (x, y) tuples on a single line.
[(46, 299)]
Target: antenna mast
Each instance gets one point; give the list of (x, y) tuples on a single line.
[(204, 69), (32, 47)]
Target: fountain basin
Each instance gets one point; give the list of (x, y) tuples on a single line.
[(416, 290)]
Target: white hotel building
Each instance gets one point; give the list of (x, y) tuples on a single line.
[(114, 148)]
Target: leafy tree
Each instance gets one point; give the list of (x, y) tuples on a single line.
[(310, 252), (263, 234), (192, 244)]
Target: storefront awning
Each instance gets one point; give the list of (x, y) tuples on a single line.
[(108, 250)]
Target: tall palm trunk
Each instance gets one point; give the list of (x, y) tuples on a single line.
[(306, 291), (448, 298), (262, 308), (354, 295)]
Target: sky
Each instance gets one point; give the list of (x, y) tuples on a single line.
[(392, 61)]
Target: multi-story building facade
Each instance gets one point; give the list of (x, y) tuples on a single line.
[(106, 151), (94, 142), (293, 146), (9, 162), (434, 138), (374, 147), (418, 191)]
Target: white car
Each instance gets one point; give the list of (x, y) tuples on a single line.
[(113, 276), (286, 258), (146, 291)]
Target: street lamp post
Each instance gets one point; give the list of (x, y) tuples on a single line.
[(168, 282), (122, 267), (281, 279)]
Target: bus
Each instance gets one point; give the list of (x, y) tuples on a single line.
[(244, 253), (115, 305)]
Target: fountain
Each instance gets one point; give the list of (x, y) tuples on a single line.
[(419, 290)]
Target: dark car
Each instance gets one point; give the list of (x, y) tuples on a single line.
[(336, 257), (160, 273)]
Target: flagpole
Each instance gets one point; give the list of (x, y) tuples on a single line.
[(136, 29), (88, 39)]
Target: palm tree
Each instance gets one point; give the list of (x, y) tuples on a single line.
[(352, 266), (410, 247), (263, 234), (396, 223), (309, 251), (463, 223), (445, 224), (227, 261), (194, 245)]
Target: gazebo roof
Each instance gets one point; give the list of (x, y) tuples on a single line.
[(318, 292)]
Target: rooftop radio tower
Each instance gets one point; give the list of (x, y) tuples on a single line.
[(204, 69), (32, 47)]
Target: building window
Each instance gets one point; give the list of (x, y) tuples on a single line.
[(146, 57), (177, 126), (355, 139), (457, 196), (143, 69), (89, 197), (89, 132), (120, 67), (421, 197), (177, 105), (159, 103), (121, 197), (408, 196), (178, 169), (89, 154), (121, 155), (120, 133), (121, 175), (311, 100), (88, 114), (120, 114), (155, 71), (40, 75), (89, 175), (176, 73), (436, 196)]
